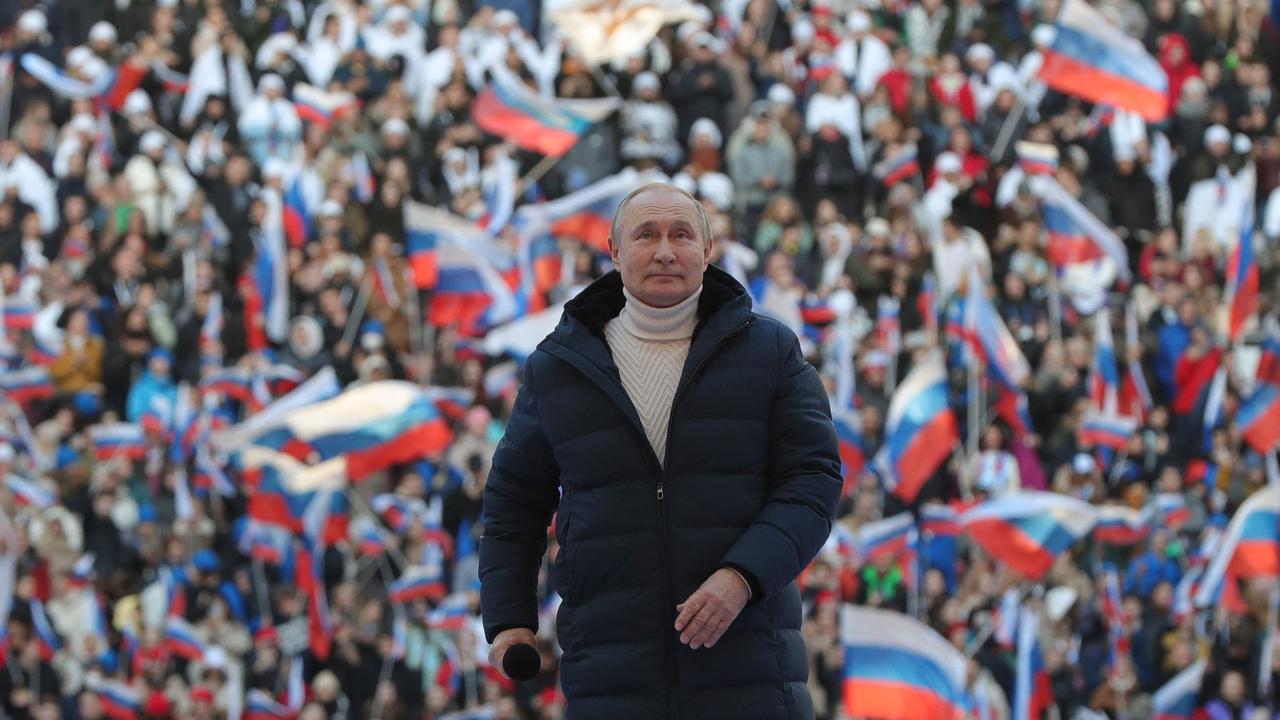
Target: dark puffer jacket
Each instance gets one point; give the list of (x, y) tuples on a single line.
[(751, 481)]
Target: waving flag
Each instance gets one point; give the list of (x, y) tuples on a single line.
[(1036, 158), (1171, 510), (888, 327), (853, 446), (902, 165), (884, 538), (1259, 418), (17, 316), (1176, 699), (550, 126), (1119, 525), (416, 584), (118, 700), (181, 638), (452, 613), (399, 512), (1108, 431), (920, 430), (469, 292), (426, 230), (583, 214), (990, 339), (939, 520), (261, 706), (1032, 691), (1092, 59), (897, 667), (321, 106), (47, 638), (1104, 384), (270, 273), (118, 440), (28, 493), (1249, 548), (1028, 530), (372, 426), (1241, 296), (1075, 235), (605, 31), (297, 216), (27, 385)]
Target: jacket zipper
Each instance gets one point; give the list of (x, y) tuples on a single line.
[(673, 675)]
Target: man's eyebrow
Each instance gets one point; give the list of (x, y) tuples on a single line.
[(653, 223)]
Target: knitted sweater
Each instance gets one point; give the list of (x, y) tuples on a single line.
[(650, 345)]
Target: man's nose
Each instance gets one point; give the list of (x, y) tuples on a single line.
[(665, 252)]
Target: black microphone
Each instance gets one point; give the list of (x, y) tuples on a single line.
[(521, 662)]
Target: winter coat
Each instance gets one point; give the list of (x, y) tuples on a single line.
[(750, 482)]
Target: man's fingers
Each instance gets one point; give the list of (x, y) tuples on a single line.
[(718, 633), (707, 632), (694, 627), (688, 609)]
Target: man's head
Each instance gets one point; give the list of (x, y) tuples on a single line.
[(660, 241)]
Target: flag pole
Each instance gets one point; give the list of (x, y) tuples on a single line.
[(357, 313), (535, 173), (260, 590)]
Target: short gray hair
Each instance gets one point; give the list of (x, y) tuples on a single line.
[(703, 220)]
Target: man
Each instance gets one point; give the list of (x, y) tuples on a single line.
[(687, 450)]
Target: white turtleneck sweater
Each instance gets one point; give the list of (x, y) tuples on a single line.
[(650, 345)]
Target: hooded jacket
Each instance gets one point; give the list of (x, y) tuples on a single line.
[(751, 479)]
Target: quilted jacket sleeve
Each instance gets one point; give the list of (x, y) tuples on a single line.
[(519, 499), (804, 476)]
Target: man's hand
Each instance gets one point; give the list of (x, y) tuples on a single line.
[(504, 641), (711, 609)]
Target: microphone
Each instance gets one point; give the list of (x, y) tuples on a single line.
[(521, 662)]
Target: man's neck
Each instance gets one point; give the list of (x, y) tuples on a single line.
[(653, 323)]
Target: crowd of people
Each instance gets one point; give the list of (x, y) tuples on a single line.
[(148, 143)]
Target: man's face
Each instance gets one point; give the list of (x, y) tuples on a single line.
[(660, 249)]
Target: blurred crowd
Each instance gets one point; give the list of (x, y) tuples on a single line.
[(141, 150)]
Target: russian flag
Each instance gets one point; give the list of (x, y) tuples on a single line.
[(920, 430), (424, 226), (270, 271), (853, 447), (49, 641), (897, 667), (1259, 418), (1241, 296), (1036, 158), (233, 383), (41, 353), (939, 520), (182, 639), (902, 165), (372, 539), (81, 572), (1120, 525), (372, 426), (1104, 386), (1172, 510), (1176, 699), (1135, 397), (1269, 362), (1032, 690), (1028, 530), (26, 385), (17, 316), (28, 493), (1075, 235), (1092, 59), (584, 214), (416, 586), (884, 538), (261, 706), (1249, 548), (320, 106), (927, 302), (296, 216), (453, 613), (990, 339), (310, 571), (1109, 431), (469, 293), (888, 327), (1013, 407), (399, 511), (266, 542), (119, 701), (452, 402), (118, 439), (550, 126)]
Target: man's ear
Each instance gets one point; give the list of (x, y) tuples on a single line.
[(613, 253)]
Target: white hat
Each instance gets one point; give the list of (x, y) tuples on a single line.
[(83, 122), (1083, 464), (330, 208), (1215, 134), (1042, 35), (273, 168), (780, 94), (1058, 601), (6, 452), (397, 13), (705, 126), (395, 126), (166, 3), (215, 658), (859, 21), (151, 141), (686, 30), (948, 162), (704, 39), (94, 68), (102, 31), (878, 227), (1241, 144), (802, 31), (33, 21), (1124, 152), (646, 81), (78, 56), (505, 17), (718, 188), (270, 81), (685, 183), (137, 103), (979, 51)]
